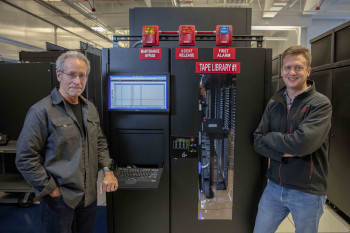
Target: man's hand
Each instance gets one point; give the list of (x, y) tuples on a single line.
[(288, 155), (109, 183), (56, 192)]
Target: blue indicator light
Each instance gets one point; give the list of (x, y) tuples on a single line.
[(199, 138), (224, 30), (199, 168), (201, 216)]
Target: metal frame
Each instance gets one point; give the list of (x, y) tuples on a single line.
[(201, 37)]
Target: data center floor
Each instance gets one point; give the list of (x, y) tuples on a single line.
[(15, 219)]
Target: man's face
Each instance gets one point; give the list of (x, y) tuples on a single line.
[(72, 80), (295, 71)]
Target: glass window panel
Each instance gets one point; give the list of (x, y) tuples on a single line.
[(216, 155)]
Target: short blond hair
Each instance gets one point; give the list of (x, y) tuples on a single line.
[(297, 50)]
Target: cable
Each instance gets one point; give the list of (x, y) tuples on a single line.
[(137, 43)]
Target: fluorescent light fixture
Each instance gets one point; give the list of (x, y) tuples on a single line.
[(276, 8), (272, 12), (274, 28), (309, 12), (269, 14), (99, 29), (275, 38), (279, 4)]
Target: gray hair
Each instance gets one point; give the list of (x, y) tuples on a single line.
[(72, 54)]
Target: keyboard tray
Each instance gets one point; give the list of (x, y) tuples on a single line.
[(138, 178)]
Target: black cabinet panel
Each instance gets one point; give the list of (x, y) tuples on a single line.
[(339, 157), (185, 121), (342, 49), (174, 206), (323, 81), (137, 139), (322, 51), (21, 86)]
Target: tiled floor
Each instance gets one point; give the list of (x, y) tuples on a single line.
[(15, 219), (330, 222), (11, 217)]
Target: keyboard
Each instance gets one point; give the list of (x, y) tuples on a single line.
[(141, 173), (138, 178)]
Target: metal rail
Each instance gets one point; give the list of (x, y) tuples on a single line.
[(170, 36)]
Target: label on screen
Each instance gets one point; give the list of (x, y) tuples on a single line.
[(218, 67), (186, 53), (150, 53), (224, 53)]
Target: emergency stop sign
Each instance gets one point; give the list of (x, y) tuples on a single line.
[(218, 67)]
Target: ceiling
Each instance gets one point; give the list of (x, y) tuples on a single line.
[(96, 21), (115, 13)]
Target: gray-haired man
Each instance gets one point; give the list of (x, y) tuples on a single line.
[(61, 149)]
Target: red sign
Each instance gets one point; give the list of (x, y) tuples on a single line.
[(150, 53), (224, 53), (218, 67), (186, 53)]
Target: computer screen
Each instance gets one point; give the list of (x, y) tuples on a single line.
[(138, 92)]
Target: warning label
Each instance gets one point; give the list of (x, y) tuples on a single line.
[(154, 53), (186, 53), (224, 53), (218, 67)]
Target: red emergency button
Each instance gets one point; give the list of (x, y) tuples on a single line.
[(150, 35), (223, 35), (187, 35)]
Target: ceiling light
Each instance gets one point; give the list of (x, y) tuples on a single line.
[(275, 38), (272, 12), (274, 28), (99, 29)]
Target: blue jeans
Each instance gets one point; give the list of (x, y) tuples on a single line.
[(276, 203), (57, 217)]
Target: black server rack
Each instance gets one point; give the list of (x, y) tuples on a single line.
[(21, 86), (277, 80), (141, 138), (331, 70), (323, 80), (207, 141), (339, 159), (93, 89), (230, 114)]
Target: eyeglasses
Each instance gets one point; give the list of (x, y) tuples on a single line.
[(73, 75), (297, 68)]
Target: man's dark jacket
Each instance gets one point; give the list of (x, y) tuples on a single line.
[(52, 150), (303, 132)]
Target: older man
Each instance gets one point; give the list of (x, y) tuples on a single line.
[(293, 134), (61, 149)]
